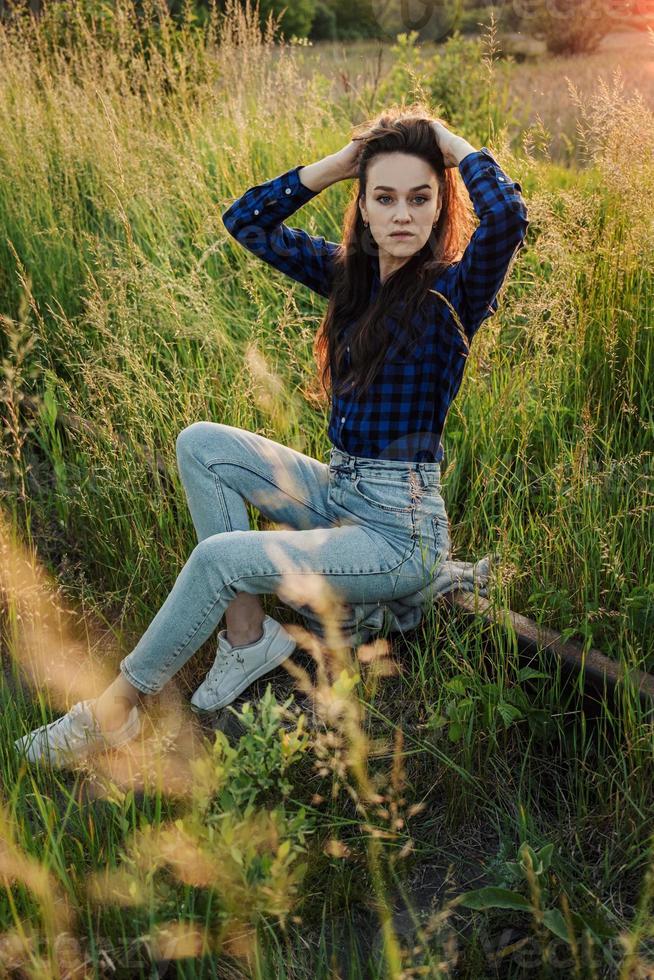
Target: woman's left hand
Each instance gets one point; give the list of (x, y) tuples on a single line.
[(448, 144)]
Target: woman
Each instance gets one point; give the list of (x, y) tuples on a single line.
[(404, 305)]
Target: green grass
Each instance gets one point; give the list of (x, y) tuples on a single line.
[(128, 313)]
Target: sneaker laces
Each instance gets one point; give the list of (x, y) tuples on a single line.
[(223, 662), (81, 719), (84, 722)]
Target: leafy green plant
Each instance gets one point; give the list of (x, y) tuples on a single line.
[(470, 90), (236, 846), (256, 769), (531, 871), (571, 28), (474, 705)]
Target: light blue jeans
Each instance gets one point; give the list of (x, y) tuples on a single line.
[(372, 529)]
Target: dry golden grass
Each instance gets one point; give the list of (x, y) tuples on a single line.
[(128, 308), (540, 86)]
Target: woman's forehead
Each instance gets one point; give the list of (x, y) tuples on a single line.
[(400, 172)]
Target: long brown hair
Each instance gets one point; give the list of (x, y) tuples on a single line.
[(403, 292)]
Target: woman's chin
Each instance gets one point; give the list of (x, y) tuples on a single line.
[(403, 246)]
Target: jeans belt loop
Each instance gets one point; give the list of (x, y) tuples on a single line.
[(423, 476), (417, 485)]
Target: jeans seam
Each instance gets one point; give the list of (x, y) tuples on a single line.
[(253, 469), (402, 559), (433, 567), (221, 500), (441, 531)]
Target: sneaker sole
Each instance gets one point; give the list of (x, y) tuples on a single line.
[(250, 679)]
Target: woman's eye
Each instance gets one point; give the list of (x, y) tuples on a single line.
[(419, 197)]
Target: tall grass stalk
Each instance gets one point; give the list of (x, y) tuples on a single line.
[(128, 312)]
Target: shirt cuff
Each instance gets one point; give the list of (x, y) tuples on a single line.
[(483, 160), (475, 159), (293, 186)]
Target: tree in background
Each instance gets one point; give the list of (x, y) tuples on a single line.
[(432, 20), (341, 20), (568, 26), (324, 27), (297, 16), (354, 19)]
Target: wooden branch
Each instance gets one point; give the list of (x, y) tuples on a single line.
[(599, 668)]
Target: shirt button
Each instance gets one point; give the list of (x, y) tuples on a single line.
[(348, 348), (288, 190), (342, 418), (256, 210)]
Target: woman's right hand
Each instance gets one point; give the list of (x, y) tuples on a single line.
[(452, 147), (346, 160)]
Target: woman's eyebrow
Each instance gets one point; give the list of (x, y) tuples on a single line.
[(381, 187)]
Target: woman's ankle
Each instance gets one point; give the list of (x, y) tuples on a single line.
[(113, 706), (244, 638), (112, 713)]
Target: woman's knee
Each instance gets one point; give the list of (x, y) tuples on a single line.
[(190, 440), (219, 558)]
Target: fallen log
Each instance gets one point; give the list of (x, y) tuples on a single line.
[(531, 637)]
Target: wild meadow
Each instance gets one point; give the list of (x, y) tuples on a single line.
[(422, 806)]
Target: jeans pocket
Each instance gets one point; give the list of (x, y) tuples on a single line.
[(392, 497)]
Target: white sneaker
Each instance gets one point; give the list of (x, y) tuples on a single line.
[(75, 735), (236, 667)]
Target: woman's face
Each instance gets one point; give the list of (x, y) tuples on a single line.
[(402, 194)]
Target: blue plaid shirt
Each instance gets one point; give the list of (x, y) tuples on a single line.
[(403, 413)]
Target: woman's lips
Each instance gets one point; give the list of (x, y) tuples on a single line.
[(402, 234)]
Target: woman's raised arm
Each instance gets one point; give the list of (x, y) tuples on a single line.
[(256, 219), (477, 278)]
